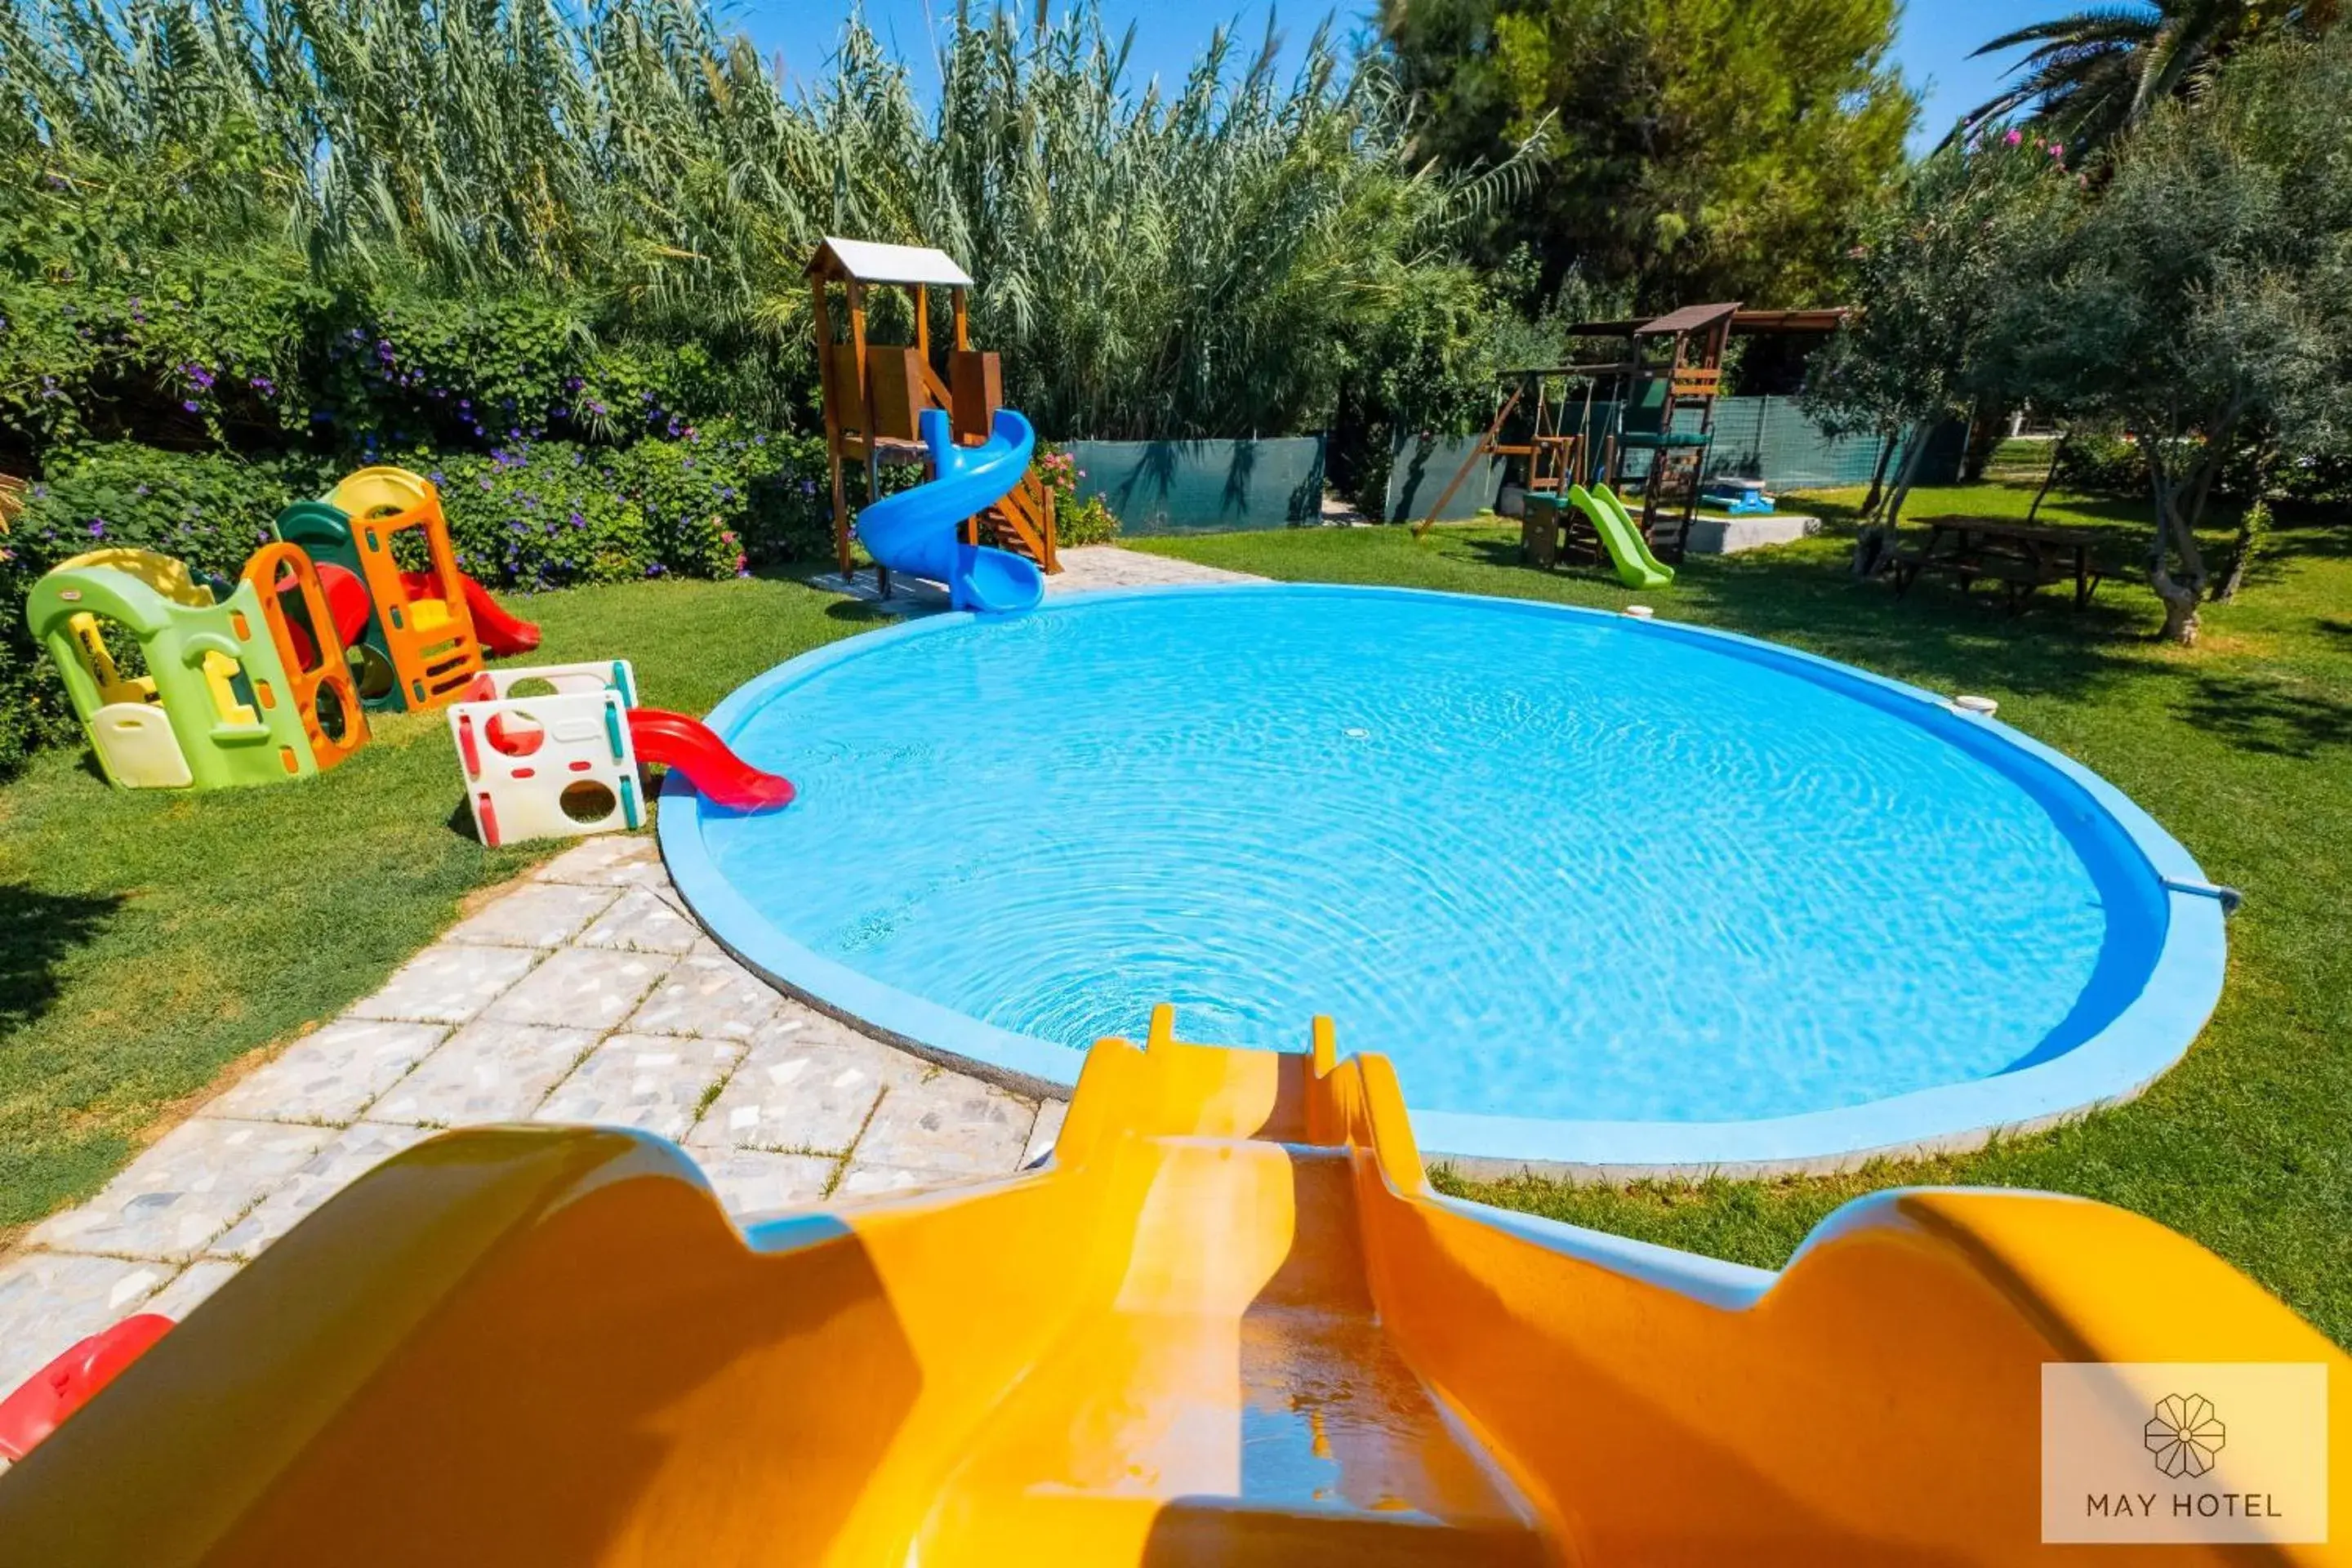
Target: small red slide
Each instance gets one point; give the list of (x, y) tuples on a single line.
[(70, 1382), (675, 741), (494, 628)]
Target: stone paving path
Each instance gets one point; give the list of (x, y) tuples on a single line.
[(1088, 568), (586, 992)]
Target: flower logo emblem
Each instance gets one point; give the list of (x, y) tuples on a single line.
[(2185, 1435)]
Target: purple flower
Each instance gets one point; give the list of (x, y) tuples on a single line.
[(189, 404), (97, 528)]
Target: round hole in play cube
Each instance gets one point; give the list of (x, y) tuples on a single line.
[(514, 734), (585, 800)]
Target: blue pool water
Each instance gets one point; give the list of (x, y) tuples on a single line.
[(1553, 865)]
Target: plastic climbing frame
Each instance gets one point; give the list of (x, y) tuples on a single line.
[(418, 648)]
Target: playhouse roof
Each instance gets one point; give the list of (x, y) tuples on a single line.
[(1690, 318), (867, 261)]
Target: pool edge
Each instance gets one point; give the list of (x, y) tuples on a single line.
[(2111, 1068)]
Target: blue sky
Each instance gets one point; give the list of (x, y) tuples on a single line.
[(1936, 37)]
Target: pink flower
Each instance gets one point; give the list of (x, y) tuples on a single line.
[(2013, 138), (2057, 149)]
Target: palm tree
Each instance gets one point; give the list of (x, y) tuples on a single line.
[(2089, 76)]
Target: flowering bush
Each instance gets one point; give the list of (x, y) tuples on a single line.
[(1077, 521)]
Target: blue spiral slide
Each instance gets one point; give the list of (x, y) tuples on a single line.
[(921, 531)]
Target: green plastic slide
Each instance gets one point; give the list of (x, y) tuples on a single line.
[(1621, 536)]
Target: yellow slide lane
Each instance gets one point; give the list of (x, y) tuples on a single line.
[(1230, 1323)]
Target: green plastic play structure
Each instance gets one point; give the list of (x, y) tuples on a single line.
[(213, 710), (1621, 536)]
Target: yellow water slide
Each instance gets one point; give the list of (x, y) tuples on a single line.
[(1229, 1323)]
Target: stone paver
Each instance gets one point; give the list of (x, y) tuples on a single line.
[(493, 1070), (447, 984), (864, 1179), (49, 1300), (196, 1181), (1042, 1133), (953, 1125), (190, 1287), (581, 988), (658, 1082), (1086, 569), (351, 1154), (332, 1075), (537, 914), (752, 1183), (808, 1086), (1091, 568), (585, 992), (708, 993), (643, 922), (608, 860)]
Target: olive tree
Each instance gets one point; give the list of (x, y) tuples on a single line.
[(1934, 269), (2201, 291)]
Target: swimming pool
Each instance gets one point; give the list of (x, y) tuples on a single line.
[(1608, 892)]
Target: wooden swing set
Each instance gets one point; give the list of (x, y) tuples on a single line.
[(1670, 367), (1660, 392)]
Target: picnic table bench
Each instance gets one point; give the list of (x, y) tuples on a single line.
[(2021, 557)]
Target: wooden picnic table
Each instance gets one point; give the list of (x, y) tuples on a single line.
[(2020, 556)]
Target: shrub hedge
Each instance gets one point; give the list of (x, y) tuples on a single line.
[(530, 515)]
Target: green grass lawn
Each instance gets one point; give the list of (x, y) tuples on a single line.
[(150, 942), (2242, 748)]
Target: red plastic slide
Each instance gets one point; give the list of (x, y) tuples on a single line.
[(45, 1399), (347, 601), (497, 631), (675, 741)]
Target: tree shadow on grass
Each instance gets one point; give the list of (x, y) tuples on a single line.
[(2273, 718), (39, 931), (1934, 636), (2309, 541)]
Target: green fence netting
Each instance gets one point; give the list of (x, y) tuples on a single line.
[(1203, 487), (1767, 438)]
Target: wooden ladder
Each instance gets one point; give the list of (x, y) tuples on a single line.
[(1022, 522), (1670, 500)]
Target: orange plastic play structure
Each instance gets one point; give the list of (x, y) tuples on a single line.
[(294, 605), (418, 648), (427, 628), (1230, 1323)]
